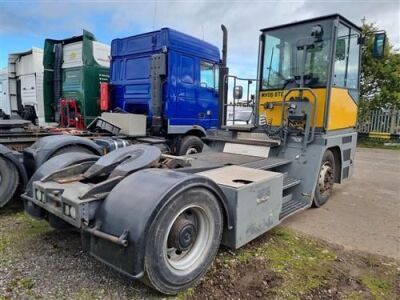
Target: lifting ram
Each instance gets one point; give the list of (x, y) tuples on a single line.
[(161, 218)]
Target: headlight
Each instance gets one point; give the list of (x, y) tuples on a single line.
[(69, 211)]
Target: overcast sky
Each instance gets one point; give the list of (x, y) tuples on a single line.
[(24, 24)]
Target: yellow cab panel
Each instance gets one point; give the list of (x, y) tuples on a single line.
[(273, 115), (342, 110)]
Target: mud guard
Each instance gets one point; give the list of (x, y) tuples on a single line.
[(17, 159), (44, 148), (53, 164), (132, 206)]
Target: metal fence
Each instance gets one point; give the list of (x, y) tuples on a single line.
[(380, 121)]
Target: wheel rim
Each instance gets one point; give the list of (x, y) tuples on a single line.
[(326, 179), (191, 150), (188, 238)]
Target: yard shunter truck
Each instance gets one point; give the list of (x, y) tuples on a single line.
[(161, 218)]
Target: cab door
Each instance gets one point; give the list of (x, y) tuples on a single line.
[(183, 74), (4, 99), (28, 89), (208, 94)]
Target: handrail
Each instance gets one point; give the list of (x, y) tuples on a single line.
[(308, 139), (225, 96)]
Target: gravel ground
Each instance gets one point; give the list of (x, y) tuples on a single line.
[(38, 262), (363, 213)]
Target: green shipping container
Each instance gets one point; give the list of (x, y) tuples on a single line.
[(73, 69)]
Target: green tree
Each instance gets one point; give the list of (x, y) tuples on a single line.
[(380, 78)]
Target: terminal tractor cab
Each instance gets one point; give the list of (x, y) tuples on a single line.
[(161, 218)]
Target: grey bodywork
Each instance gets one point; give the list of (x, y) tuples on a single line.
[(115, 213)]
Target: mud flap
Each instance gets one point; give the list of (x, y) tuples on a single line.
[(132, 206), (44, 148)]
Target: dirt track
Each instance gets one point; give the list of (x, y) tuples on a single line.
[(364, 213)]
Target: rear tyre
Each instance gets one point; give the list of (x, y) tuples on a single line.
[(9, 180), (183, 241), (190, 144), (69, 149), (326, 179)]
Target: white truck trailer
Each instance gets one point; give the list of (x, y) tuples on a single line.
[(25, 85), (4, 98)]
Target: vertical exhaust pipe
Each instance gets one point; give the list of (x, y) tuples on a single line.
[(224, 45), (223, 70)]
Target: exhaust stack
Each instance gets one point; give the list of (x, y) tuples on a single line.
[(224, 45), (223, 71)]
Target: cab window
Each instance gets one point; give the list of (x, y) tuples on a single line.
[(283, 59), (353, 61), (208, 75), (346, 58)]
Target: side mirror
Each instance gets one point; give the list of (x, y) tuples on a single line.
[(238, 92), (378, 48), (340, 49)]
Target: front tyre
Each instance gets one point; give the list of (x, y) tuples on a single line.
[(326, 179), (183, 241), (190, 144)]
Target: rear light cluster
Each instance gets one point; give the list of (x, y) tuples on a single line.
[(104, 97), (69, 211), (39, 195)]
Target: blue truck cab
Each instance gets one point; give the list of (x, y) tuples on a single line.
[(170, 77)]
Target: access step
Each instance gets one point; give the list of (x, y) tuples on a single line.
[(239, 127), (289, 182), (241, 141), (268, 163), (152, 140), (291, 207)]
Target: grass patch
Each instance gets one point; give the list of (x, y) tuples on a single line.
[(22, 230), (301, 262), (379, 287), (22, 283), (85, 294), (186, 294), (353, 295), (287, 265)]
